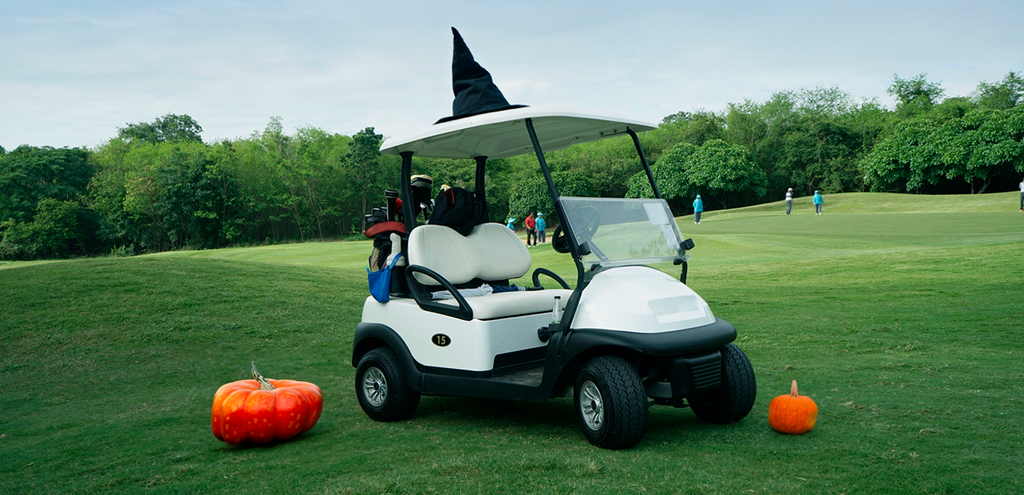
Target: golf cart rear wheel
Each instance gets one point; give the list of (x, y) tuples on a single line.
[(733, 400), (381, 387), (611, 403)]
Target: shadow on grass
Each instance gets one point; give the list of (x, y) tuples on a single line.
[(308, 437), (558, 415), (497, 412)]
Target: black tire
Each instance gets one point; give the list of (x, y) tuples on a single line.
[(611, 403), (381, 387), (733, 400)]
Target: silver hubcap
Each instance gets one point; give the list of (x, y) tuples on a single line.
[(591, 405), (375, 387)]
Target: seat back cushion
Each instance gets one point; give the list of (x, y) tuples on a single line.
[(491, 251)]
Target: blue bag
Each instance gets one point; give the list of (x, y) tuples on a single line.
[(380, 281)]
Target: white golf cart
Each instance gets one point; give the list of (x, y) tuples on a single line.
[(629, 335)]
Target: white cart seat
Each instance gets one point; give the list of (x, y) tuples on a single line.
[(490, 252)]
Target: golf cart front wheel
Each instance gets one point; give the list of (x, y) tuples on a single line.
[(381, 387), (611, 403), (733, 400)]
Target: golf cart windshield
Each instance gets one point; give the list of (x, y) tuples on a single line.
[(614, 232)]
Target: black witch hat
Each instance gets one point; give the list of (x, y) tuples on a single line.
[(475, 92)]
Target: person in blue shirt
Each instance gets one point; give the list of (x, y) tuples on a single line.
[(818, 201), (541, 225), (511, 223), (698, 208)]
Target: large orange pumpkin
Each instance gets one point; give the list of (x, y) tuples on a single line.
[(793, 414), (262, 410)]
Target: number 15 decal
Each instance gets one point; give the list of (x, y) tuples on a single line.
[(441, 340)]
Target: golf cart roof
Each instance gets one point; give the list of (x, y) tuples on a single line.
[(503, 134)]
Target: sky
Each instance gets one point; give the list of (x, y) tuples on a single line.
[(73, 72)]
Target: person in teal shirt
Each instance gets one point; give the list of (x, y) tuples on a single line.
[(541, 225), (511, 223), (698, 208), (818, 201)]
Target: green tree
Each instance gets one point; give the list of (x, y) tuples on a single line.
[(977, 148), (30, 174), (668, 174), (981, 146), (321, 179), (905, 161), (107, 190), (694, 128), (269, 212), (761, 130), (532, 195), (288, 186), (194, 201), (54, 232), (279, 155), (1002, 95), (916, 95), (169, 128), (820, 153), (367, 177), (952, 108), (164, 196), (717, 170), (807, 139), (724, 171), (608, 163), (41, 196)]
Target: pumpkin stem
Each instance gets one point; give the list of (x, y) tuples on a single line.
[(266, 385), (792, 390)]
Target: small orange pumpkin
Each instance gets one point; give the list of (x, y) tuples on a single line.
[(262, 410), (793, 414)]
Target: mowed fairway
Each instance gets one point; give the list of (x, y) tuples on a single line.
[(901, 316)]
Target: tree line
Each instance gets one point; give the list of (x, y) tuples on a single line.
[(157, 186), (819, 139)]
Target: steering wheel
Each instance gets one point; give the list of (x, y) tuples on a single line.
[(559, 242), (587, 221)]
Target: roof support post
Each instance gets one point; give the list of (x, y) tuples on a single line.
[(481, 163), (643, 160), (481, 189), (408, 213), (573, 248), (543, 163)]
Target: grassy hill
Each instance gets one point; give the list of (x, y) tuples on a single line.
[(900, 315)]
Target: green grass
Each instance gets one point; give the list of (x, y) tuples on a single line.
[(885, 203), (904, 327)]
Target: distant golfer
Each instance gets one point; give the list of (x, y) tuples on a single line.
[(1021, 195), (818, 201), (698, 208), (511, 223), (789, 200), (531, 230), (541, 226)]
